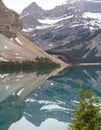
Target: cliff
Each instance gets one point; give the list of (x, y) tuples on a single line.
[(8, 18)]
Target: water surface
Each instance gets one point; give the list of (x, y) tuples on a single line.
[(31, 102)]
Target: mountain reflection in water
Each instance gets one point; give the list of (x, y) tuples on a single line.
[(37, 103)]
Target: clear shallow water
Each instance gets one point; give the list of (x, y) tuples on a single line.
[(26, 104)]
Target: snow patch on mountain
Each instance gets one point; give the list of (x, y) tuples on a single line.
[(24, 15), (5, 47), (18, 41), (71, 29), (96, 1), (94, 20), (48, 21), (76, 25), (27, 30), (92, 15), (43, 27), (70, 1), (53, 21)]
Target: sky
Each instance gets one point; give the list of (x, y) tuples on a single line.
[(19, 5)]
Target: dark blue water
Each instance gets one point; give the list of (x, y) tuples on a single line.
[(47, 106)]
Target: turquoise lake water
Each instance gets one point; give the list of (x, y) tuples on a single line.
[(26, 104)]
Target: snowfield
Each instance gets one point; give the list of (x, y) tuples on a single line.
[(92, 15), (53, 21)]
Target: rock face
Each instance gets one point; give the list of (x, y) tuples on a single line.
[(8, 18), (30, 15), (71, 31)]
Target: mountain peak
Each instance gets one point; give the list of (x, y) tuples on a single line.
[(34, 6)]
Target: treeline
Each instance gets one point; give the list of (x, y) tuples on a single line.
[(39, 66)]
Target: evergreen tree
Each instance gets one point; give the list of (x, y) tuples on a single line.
[(87, 116)]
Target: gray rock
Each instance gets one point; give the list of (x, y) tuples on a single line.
[(76, 34)]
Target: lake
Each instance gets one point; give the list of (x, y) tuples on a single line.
[(43, 102)]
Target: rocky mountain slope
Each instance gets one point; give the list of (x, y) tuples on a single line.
[(13, 43), (71, 31), (8, 18)]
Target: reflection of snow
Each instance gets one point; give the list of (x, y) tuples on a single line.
[(52, 107), (2, 59), (20, 76), (17, 80), (45, 102), (52, 84), (89, 51), (74, 101), (48, 124), (3, 75), (7, 87), (20, 91), (19, 57), (40, 101)]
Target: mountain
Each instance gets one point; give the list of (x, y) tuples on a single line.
[(71, 31), (14, 44), (8, 18)]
